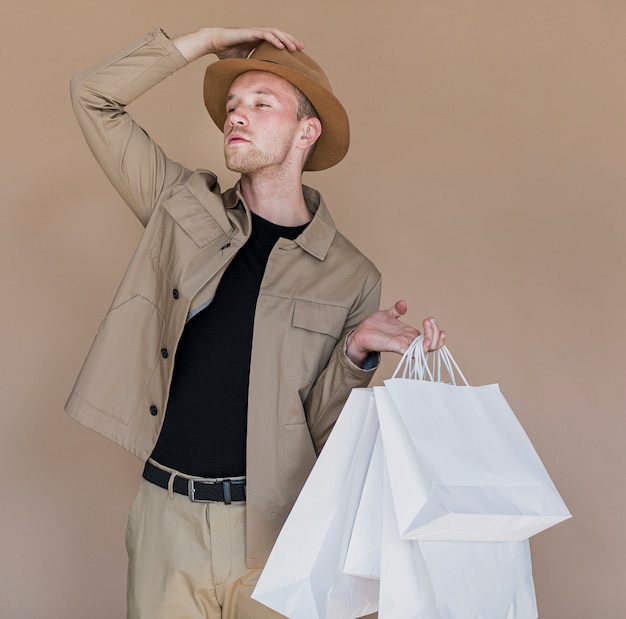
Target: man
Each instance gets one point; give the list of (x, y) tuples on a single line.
[(242, 323)]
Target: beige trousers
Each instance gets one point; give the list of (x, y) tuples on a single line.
[(187, 560)]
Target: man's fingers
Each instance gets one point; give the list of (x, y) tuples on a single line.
[(398, 309), (434, 337), (288, 40), (279, 38)]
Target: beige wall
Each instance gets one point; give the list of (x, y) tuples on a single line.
[(485, 179)]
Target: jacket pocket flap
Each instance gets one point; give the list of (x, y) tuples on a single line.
[(319, 317), (193, 218)]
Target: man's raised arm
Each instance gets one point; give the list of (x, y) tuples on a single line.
[(232, 42)]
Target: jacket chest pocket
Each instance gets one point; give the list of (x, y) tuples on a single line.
[(188, 247), (316, 328)]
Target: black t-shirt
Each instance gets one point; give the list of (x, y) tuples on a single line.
[(204, 431)]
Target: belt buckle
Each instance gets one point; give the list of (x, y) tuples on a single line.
[(191, 489)]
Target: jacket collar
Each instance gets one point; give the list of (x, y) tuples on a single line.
[(318, 235)]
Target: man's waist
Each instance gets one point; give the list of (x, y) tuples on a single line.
[(197, 489)]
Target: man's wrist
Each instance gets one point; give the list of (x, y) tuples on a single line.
[(365, 359), (195, 44)]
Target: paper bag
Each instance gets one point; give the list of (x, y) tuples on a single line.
[(303, 577), (452, 580), (364, 548), (460, 464)]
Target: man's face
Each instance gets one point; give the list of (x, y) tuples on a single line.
[(261, 127)]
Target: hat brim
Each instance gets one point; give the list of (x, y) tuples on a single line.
[(334, 141)]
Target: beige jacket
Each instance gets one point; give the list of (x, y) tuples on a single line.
[(314, 291)]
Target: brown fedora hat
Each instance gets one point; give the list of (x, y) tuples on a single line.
[(304, 73)]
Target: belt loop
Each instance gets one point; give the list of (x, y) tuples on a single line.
[(170, 486), (226, 486)]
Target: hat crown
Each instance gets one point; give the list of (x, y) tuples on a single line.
[(296, 61)]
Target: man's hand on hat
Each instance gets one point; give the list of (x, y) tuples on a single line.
[(382, 331), (232, 42)]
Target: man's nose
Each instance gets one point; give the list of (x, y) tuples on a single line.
[(236, 117)]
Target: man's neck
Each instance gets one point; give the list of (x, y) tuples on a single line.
[(278, 200)]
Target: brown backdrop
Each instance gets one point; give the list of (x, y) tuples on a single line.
[(485, 179)]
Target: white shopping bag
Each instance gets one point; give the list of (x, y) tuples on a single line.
[(303, 577), (405, 588), (452, 580), (460, 464), (363, 554)]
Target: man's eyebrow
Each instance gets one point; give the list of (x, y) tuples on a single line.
[(260, 91), (265, 91)]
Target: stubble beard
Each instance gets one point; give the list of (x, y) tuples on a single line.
[(250, 159), (246, 163)]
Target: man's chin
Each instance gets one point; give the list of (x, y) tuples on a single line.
[(242, 167), (235, 164)]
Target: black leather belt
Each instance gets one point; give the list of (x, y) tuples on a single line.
[(198, 489)]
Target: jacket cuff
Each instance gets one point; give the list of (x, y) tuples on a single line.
[(369, 365), (158, 35)]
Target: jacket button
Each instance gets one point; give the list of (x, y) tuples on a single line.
[(164, 353), (175, 293), (154, 410)]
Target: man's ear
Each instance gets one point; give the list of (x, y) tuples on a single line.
[(311, 131)]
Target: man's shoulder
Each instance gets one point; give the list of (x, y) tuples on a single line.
[(342, 249), (197, 204), (198, 185), (202, 181), (344, 245)]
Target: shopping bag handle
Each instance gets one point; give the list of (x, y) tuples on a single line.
[(415, 364)]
